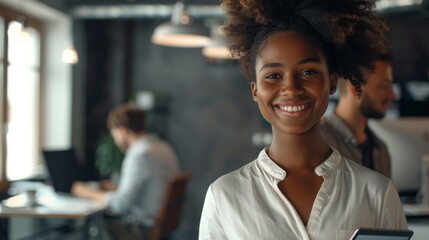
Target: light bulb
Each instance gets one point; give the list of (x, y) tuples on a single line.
[(70, 55)]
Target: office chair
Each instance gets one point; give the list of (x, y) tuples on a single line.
[(168, 218)]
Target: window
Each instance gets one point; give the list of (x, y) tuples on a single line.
[(20, 66), (23, 101)]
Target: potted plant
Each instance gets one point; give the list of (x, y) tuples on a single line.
[(108, 157)]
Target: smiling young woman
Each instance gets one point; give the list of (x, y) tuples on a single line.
[(292, 83), (292, 53)]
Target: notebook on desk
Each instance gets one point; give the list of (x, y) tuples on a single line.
[(63, 169)]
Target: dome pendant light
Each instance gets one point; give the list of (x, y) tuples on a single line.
[(70, 54), (217, 48), (180, 31)]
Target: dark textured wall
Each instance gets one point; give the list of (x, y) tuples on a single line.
[(57, 4), (211, 115), (410, 51)]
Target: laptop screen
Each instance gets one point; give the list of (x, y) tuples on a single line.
[(63, 169)]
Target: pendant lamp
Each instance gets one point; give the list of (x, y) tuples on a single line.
[(70, 54), (180, 31), (217, 48)]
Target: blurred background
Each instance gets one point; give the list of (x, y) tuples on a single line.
[(78, 59)]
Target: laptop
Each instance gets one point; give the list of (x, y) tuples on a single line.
[(63, 169)]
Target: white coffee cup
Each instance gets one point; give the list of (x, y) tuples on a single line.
[(31, 195)]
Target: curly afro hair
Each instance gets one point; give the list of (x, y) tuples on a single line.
[(349, 32)]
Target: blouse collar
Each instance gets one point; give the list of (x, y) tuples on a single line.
[(324, 169)]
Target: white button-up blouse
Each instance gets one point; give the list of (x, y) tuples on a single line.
[(247, 203)]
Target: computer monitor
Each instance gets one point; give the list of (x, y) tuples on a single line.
[(407, 140)]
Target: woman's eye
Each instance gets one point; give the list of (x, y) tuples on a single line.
[(273, 76), (309, 72)]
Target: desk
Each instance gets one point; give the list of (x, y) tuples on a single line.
[(418, 220), (420, 226), (52, 205)]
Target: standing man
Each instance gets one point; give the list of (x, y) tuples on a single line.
[(347, 128), (148, 165)]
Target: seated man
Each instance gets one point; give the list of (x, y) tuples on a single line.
[(347, 129), (148, 165)]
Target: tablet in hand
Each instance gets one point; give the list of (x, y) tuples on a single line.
[(381, 234)]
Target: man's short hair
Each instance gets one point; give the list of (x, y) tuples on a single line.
[(342, 84), (129, 116)]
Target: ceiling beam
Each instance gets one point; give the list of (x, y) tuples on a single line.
[(142, 11)]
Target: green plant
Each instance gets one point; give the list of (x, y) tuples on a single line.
[(108, 157)]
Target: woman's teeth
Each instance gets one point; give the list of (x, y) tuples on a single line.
[(292, 108)]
